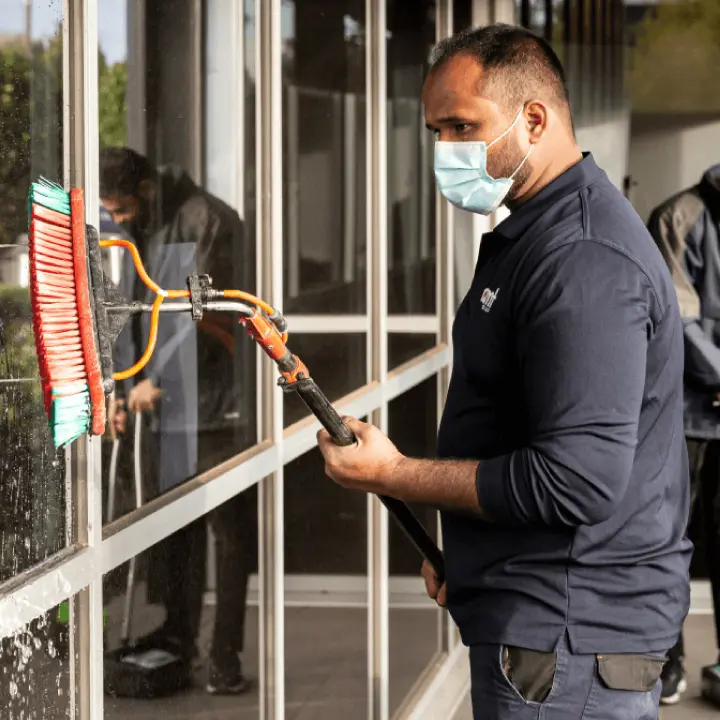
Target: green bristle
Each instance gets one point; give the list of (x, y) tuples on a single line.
[(70, 416), (49, 195)]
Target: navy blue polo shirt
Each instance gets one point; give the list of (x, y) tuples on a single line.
[(567, 386)]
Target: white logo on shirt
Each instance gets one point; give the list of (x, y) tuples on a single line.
[(488, 298)]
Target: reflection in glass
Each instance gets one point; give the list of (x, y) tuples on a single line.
[(181, 187), (32, 488), (411, 186), (403, 347), (194, 600), (462, 15), (35, 669), (414, 620), (326, 595), (324, 156)]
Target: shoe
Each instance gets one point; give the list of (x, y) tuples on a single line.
[(227, 679), (674, 683)]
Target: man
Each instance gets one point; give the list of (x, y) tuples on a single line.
[(194, 392), (563, 471), (687, 230)]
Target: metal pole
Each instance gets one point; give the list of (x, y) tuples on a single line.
[(80, 72), (445, 302), (377, 244), (269, 143)]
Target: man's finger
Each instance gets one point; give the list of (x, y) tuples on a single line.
[(357, 426), (430, 586), (324, 441), (430, 578), (441, 598)]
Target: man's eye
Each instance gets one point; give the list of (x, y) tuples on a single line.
[(461, 128)]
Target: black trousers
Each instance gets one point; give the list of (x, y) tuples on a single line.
[(705, 478), (178, 565)]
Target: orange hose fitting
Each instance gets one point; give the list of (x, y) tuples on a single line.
[(266, 335)]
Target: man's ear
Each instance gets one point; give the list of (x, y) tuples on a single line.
[(146, 189), (537, 117)]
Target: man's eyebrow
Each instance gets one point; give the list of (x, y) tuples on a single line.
[(451, 120)]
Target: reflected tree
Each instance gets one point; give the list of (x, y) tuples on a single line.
[(676, 57)]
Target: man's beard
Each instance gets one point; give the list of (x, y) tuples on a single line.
[(507, 161), (141, 225)]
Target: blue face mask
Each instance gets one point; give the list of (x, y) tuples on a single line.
[(462, 176)]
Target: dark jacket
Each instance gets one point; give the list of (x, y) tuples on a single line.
[(687, 230), (208, 236)]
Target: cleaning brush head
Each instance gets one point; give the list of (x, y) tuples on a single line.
[(64, 322)]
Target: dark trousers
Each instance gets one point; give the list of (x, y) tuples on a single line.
[(564, 686), (178, 566), (705, 469)]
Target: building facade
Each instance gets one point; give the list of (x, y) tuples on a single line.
[(304, 116)]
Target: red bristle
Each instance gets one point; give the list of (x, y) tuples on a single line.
[(49, 233), (52, 217), (57, 336), (85, 316)]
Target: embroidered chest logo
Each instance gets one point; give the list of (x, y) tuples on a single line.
[(488, 298)]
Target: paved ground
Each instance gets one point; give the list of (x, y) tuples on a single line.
[(700, 649), (325, 671), (325, 666)]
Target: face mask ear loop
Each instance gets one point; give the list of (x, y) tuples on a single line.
[(504, 133), (517, 169)]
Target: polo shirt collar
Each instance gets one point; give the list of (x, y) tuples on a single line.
[(579, 175)]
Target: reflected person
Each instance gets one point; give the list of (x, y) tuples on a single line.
[(195, 393)]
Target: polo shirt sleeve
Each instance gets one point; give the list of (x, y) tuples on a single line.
[(582, 326)]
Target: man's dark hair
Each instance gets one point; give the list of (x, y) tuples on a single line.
[(122, 170), (519, 65)]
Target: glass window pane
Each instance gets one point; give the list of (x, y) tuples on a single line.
[(414, 619), (325, 595), (462, 15), (194, 607), (176, 182), (35, 669), (324, 156), (411, 185), (403, 347), (32, 474), (337, 363)]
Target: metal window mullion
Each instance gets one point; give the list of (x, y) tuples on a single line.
[(504, 11), (444, 304), (80, 89), (481, 13), (269, 141), (377, 244)]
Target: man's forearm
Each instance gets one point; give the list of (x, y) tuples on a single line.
[(445, 484)]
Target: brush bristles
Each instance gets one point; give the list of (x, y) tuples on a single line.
[(58, 340)]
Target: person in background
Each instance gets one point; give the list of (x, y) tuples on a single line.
[(686, 228), (562, 471), (194, 394)]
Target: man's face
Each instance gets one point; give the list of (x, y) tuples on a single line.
[(132, 212), (124, 209), (457, 110)]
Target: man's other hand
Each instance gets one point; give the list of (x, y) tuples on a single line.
[(436, 591), (143, 397), (117, 417)]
